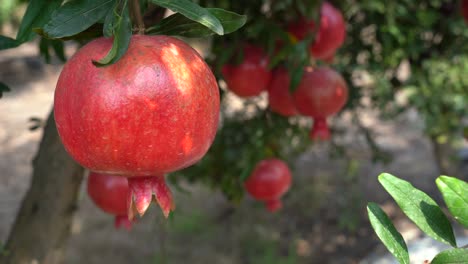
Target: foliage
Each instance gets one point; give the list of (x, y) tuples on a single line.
[(425, 213), (432, 38)]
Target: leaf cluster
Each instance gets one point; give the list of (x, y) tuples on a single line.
[(425, 213)]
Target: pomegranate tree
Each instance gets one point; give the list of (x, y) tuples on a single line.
[(279, 96), (153, 112), (251, 76), (328, 37), (270, 179), (110, 193), (322, 92)]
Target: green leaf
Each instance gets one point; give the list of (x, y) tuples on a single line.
[(108, 29), (122, 35), (193, 12), (3, 88), (37, 14), (180, 25), (92, 32), (56, 45), (451, 256), (387, 233), (76, 16), (420, 208), (296, 74), (44, 49), (59, 49), (8, 43), (455, 193)]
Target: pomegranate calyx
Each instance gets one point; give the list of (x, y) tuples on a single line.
[(143, 190), (320, 129)]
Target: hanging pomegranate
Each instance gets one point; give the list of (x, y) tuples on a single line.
[(251, 76), (322, 92), (328, 37), (110, 194), (279, 96), (153, 112), (270, 179)]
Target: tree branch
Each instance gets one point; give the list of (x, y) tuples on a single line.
[(42, 225)]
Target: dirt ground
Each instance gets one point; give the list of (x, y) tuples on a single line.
[(323, 220)]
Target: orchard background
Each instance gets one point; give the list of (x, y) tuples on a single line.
[(405, 64)]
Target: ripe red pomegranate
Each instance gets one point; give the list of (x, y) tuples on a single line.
[(322, 92), (279, 97), (269, 180), (330, 34), (153, 112), (252, 76), (464, 9), (110, 194)]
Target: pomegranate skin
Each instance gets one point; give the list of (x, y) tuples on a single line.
[(108, 192), (279, 97), (330, 35), (322, 92), (154, 111), (270, 179), (252, 76)]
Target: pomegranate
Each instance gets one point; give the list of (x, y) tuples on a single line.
[(322, 92), (279, 97), (153, 112), (329, 36), (110, 194), (252, 76), (270, 179), (464, 9)]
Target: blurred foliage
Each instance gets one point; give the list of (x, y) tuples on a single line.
[(265, 251), (240, 144), (7, 8), (432, 37)]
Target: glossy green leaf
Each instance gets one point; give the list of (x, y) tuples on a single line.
[(92, 32), (193, 12), (420, 208), (455, 193), (3, 88), (180, 25), (122, 35), (8, 43), (387, 233), (451, 256), (37, 14), (76, 16), (44, 49)]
